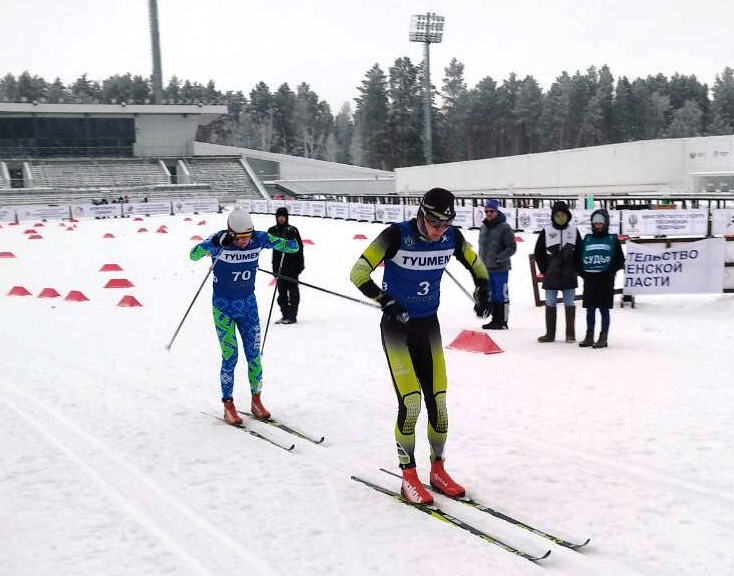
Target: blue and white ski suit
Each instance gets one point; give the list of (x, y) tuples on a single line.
[(234, 302)]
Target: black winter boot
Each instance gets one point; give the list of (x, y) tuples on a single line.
[(498, 318), (570, 323), (550, 325), (588, 339), (602, 341)]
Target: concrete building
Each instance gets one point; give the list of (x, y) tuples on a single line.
[(649, 167)]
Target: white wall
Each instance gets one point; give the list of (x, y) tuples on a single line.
[(165, 135), (649, 165)]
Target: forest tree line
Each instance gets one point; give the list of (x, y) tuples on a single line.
[(384, 126)]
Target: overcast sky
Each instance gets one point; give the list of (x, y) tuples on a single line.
[(331, 44)]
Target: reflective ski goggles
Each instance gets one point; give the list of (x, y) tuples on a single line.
[(241, 235), (434, 222)]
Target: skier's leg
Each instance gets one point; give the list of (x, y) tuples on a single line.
[(225, 327), (407, 389), (426, 352), (248, 323)]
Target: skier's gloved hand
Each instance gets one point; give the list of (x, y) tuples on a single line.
[(392, 308), (482, 306), (224, 238)]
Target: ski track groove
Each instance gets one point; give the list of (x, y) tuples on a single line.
[(344, 533), (164, 516), (592, 560), (583, 457)]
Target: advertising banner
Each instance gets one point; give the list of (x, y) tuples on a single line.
[(298, 208), (722, 222), (7, 214), (146, 208), (687, 268), (533, 219), (80, 211), (41, 212), (195, 205), (664, 222), (389, 213), (361, 212), (317, 208), (257, 206), (411, 210), (337, 210), (464, 216)]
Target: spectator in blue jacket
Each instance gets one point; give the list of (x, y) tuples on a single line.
[(496, 247)]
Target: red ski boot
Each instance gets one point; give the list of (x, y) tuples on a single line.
[(412, 489), (258, 410), (230, 413), (442, 482)]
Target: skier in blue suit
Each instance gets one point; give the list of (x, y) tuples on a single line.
[(236, 252)]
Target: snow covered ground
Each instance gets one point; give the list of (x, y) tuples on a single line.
[(107, 465)]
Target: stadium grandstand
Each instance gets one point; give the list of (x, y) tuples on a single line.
[(60, 153)]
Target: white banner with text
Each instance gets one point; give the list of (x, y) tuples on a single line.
[(685, 268)]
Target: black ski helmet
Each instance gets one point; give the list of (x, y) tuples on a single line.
[(439, 203)]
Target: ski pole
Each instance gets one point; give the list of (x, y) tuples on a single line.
[(464, 290), (468, 295), (272, 301), (300, 282), (168, 346)]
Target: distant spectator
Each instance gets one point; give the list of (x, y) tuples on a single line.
[(599, 260), (293, 264), (556, 253), (496, 247)]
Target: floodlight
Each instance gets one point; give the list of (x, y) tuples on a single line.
[(427, 29)]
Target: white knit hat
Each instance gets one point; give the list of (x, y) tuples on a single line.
[(239, 220)]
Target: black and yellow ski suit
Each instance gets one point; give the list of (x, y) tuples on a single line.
[(414, 267)]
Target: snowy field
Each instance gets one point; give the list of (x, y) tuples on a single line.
[(108, 467)]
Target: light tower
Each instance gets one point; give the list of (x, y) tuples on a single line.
[(427, 28), (155, 46)]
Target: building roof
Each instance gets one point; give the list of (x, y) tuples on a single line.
[(208, 113)]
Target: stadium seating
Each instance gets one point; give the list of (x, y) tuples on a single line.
[(227, 177)]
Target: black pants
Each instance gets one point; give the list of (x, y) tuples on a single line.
[(288, 298)]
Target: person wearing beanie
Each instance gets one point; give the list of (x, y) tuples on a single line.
[(556, 255), (288, 267), (601, 257), (496, 247), (415, 253), (235, 252)]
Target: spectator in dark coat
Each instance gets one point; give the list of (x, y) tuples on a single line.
[(600, 259), (293, 264), (556, 256), (496, 247)]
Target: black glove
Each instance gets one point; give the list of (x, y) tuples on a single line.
[(482, 306), (224, 238), (392, 308)]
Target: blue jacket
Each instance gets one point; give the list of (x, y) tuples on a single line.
[(235, 268)]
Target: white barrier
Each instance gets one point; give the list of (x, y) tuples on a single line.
[(86, 210), (81, 211)]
